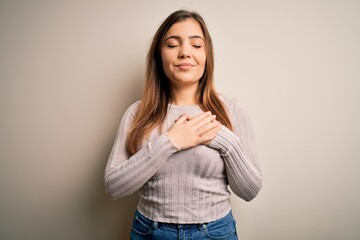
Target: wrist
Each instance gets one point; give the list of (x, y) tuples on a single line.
[(172, 141)]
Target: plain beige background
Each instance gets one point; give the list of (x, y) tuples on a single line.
[(69, 70)]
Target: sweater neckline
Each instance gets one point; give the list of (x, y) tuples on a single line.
[(188, 107)]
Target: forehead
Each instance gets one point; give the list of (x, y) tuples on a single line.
[(185, 28)]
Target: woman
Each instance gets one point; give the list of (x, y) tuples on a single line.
[(183, 144)]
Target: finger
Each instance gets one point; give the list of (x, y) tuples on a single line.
[(205, 139), (215, 121), (182, 118), (212, 132), (197, 118), (202, 122), (210, 135), (208, 128)]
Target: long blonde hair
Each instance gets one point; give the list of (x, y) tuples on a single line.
[(157, 95)]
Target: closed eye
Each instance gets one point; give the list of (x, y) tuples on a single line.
[(172, 46)]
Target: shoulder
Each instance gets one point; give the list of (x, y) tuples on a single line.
[(233, 104), (131, 111), (133, 107), (237, 113)]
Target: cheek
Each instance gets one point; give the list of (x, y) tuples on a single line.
[(202, 63), (166, 60), (166, 65), (201, 58)]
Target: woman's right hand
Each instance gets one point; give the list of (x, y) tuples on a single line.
[(189, 132)]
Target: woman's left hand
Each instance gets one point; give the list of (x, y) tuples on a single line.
[(212, 132)]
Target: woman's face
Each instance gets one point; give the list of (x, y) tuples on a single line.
[(183, 53)]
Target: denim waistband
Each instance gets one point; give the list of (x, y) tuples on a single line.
[(155, 224)]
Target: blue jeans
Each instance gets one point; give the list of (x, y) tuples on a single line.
[(144, 228)]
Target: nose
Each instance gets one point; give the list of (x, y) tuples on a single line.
[(184, 52)]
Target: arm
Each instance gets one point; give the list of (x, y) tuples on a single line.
[(124, 174), (238, 151)]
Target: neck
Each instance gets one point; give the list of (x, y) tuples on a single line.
[(184, 96)]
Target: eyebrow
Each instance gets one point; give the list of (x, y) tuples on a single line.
[(178, 38)]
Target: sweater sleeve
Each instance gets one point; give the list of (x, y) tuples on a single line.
[(125, 174), (238, 151)]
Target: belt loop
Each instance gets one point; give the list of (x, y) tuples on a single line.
[(155, 225)]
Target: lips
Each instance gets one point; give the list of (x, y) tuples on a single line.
[(184, 66)]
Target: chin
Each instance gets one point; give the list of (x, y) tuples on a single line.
[(186, 81)]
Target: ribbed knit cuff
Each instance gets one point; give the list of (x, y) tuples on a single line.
[(161, 145), (223, 140)]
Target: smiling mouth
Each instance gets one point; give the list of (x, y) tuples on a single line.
[(184, 66)]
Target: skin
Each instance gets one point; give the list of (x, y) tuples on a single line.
[(183, 56)]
